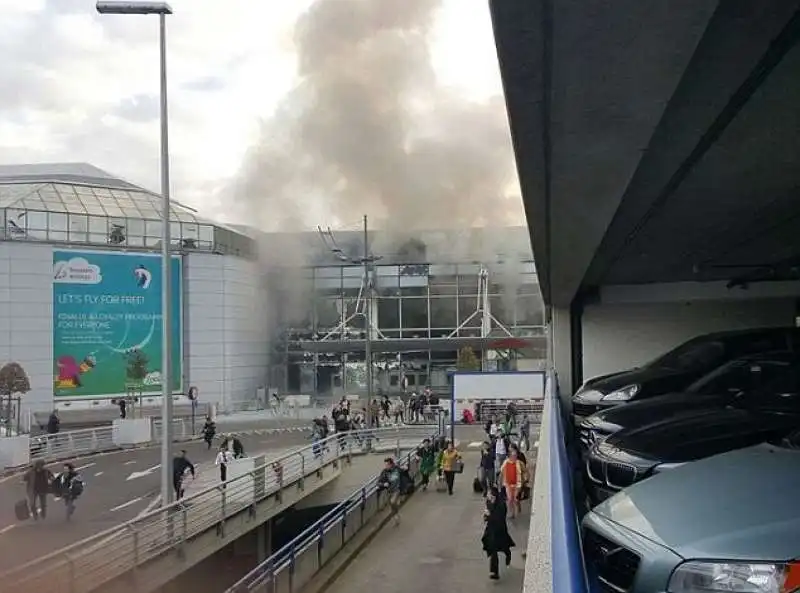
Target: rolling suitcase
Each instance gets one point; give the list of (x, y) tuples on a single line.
[(22, 511)]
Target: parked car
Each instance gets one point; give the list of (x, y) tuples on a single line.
[(678, 368), (713, 391), (726, 523), (635, 454)]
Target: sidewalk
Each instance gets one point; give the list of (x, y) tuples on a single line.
[(436, 547)]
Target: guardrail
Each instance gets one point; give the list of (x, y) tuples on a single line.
[(89, 564), (292, 567), (75, 443), (569, 572)]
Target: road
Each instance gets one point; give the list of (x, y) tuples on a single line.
[(119, 486)]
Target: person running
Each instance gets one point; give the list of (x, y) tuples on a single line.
[(389, 481), (224, 457), (69, 486), (37, 485), (209, 431), (496, 539), (450, 466), (180, 466)]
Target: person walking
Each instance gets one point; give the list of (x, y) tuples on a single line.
[(487, 468), (224, 457), (69, 485), (496, 539), (209, 431), (450, 466), (512, 476), (427, 462), (37, 485)]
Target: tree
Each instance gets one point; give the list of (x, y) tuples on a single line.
[(467, 361), (14, 380), (137, 366)]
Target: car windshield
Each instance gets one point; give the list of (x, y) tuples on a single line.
[(696, 354), (741, 376)]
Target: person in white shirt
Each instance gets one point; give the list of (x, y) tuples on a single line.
[(224, 457), (500, 450)]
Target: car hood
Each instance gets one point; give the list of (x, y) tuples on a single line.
[(595, 389), (699, 434), (740, 505), (638, 413)]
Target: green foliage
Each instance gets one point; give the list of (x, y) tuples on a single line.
[(137, 366), (467, 361), (13, 379)]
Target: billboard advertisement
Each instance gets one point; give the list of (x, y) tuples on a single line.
[(107, 334)]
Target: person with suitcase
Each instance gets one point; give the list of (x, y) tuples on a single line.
[(37, 486)]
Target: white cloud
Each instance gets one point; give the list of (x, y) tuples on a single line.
[(78, 86), (76, 271)]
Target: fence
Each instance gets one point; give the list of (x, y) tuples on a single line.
[(89, 564), (295, 564), (75, 443)]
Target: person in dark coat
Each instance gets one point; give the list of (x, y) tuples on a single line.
[(496, 538)]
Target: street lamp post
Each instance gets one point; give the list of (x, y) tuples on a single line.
[(162, 9)]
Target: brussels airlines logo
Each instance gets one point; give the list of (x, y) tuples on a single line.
[(76, 271), (143, 277)]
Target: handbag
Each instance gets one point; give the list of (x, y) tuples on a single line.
[(458, 467), (441, 485)]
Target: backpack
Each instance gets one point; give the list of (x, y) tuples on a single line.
[(406, 482)]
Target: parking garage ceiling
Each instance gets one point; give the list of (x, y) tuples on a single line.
[(655, 141)]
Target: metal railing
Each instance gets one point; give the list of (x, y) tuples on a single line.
[(85, 566), (76, 443), (295, 564)]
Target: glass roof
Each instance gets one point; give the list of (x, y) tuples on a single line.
[(86, 199)]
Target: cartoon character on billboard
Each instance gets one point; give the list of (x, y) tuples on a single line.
[(69, 373), (88, 363)]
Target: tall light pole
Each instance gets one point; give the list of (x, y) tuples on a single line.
[(367, 260), (162, 9)]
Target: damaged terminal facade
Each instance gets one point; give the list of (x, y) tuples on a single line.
[(430, 296)]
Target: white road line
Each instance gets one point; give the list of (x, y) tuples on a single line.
[(475, 445), (150, 507), (98, 474), (129, 462), (7, 529), (82, 467), (125, 505)]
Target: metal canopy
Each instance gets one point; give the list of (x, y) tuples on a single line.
[(655, 141)]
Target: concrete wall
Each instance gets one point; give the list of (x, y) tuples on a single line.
[(623, 335), (26, 315), (225, 321), (225, 334)]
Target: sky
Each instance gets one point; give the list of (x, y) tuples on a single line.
[(83, 87)]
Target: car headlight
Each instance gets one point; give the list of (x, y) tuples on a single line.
[(734, 577), (623, 394)]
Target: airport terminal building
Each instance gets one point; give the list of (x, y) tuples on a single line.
[(80, 299)]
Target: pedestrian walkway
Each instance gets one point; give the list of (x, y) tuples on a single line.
[(436, 547)]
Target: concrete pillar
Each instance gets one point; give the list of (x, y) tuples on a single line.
[(561, 348), (264, 541)]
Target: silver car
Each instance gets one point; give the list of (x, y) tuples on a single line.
[(729, 523)]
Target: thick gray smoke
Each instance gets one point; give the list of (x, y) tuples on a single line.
[(369, 130)]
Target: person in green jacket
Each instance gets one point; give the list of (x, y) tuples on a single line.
[(427, 462)]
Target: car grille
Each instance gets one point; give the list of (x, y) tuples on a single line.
[(596, 470), (615, 565), (620, 475)]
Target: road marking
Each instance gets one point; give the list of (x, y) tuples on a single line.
[(98, 474), (475, 445), (150, 507), (125, 505), (131, 462), (142, 474), (7, 529), (536, 444), (88, 465)]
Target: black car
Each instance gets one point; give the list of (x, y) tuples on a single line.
[(719, 388), (635, 454), (678, 368)]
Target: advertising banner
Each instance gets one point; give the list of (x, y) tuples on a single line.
[(107, 334)]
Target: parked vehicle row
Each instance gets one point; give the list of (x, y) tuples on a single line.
[(694, 490)]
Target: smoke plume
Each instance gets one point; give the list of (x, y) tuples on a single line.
[(369, 130)]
